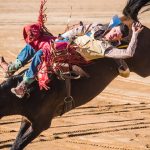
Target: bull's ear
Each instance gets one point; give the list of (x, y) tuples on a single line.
[(115, 21)]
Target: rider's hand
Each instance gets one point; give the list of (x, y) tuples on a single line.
[(137, 28)]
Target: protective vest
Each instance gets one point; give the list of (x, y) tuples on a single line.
[(90, 48)]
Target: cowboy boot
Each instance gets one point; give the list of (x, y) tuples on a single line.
[(20, 90), (10, 68), (4, 65), (22, 87)]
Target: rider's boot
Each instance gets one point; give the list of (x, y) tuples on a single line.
[(22, 87), (20, 90), (3, 64), (10, 68)]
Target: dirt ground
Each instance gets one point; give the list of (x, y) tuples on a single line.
[(117, 119)]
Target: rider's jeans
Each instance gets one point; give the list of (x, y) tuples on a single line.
[(25, 55)]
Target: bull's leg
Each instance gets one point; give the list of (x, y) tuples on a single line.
[(25, 124), (28, 136), (31, 133)]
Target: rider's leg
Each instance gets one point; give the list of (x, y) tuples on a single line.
[(29, 76), (24, 56)]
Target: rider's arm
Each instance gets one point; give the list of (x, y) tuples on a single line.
[(129, 52), (123, 53)]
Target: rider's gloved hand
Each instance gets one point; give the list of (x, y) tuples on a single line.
[(137, 28)]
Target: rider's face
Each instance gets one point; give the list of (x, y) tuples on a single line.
[(114, 34)]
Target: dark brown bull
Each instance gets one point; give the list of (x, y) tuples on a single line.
[(41, 107)]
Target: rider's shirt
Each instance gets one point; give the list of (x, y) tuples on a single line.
[(93, 46), (90, 48)]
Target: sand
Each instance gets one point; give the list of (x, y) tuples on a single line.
[(117, 119)]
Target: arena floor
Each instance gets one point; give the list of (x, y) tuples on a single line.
[(117, 119)]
